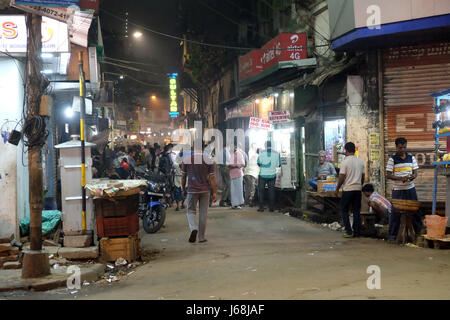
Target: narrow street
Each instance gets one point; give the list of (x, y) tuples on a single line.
[(252, 255)]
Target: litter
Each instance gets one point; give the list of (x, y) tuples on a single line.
[(73, 292), (121, 262), (412, 245), (130, 273), (110, 266), (310, 254), (85, 283)]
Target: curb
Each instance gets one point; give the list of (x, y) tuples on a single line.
[(56, 281)]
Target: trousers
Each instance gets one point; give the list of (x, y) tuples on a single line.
[(202, 199)]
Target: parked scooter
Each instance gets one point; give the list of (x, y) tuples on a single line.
[(152, 206)]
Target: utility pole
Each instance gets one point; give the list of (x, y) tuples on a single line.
[(35, 262)]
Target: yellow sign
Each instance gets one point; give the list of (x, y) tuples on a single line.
[(375, 154), (374, 139)]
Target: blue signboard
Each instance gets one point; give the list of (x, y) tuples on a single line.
[(48, 3)]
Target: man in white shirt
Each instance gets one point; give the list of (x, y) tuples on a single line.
[(351, 178), (251, 175)]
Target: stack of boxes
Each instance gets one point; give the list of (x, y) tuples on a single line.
[(118, 227)]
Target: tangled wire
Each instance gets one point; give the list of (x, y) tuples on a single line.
[(35, 131)]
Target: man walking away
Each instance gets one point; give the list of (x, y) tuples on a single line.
[(223, 161), (200, 176), (268, 161), (402, 168), (351, 178), (251, 175)]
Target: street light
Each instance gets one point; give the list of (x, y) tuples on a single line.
[(69, 112), (137, 34)]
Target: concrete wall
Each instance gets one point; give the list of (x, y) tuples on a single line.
[(13, 175), (361, 123), (399, 10), (346, 15)]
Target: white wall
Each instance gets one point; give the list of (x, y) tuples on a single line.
[(13, 176), (400, 10)]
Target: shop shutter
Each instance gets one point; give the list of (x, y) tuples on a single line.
[(410, 75)]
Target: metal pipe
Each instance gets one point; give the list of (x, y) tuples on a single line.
[(381, 117), (82, 134)]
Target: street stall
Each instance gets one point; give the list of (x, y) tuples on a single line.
[(436, 225), (116, 211)]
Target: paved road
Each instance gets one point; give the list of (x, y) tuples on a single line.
[(252, 255)]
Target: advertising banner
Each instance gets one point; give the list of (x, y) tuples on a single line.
[(13, 35), (258, 123), (49, 3), (279, 116), (285, 47), (58, 13)]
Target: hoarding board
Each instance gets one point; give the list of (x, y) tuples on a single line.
[(279, 116), (13, 35), (285, 47), (49, 3), (258, 123)]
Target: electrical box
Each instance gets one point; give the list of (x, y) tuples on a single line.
[(71, 197)]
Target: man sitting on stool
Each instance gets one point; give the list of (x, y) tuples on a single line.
[(324, 170)]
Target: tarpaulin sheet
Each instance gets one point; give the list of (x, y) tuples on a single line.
[(50, 219)]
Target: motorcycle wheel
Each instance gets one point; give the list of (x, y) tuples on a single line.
[(154, 219)]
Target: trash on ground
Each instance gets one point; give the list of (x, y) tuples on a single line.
[(121, 262)]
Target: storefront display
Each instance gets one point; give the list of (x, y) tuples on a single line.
[(334, 136), (284, 143)]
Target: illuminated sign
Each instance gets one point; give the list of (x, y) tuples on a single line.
[(173, 108), (13, 35)]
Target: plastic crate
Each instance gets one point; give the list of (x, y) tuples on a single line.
[(116, 207), (118, 227), (126, 248)]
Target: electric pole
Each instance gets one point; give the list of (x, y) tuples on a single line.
[(35, 262)]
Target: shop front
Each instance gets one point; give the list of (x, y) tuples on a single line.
[(410, 75)]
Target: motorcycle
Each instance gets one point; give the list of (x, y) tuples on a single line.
[(152, 204)]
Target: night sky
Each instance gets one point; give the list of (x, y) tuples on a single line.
[(151, 48)]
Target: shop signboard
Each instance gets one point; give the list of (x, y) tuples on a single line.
[(250, 64), (58, 13), (49, 3), (281, 116), (284, 48), (13, 35), (258, 123), (239, 112)]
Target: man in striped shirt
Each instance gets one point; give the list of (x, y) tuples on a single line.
[(402, 169), (384, 210)]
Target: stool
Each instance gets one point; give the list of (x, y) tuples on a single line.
[(406, 231)]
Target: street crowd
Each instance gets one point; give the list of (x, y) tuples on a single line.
[(191, 176)]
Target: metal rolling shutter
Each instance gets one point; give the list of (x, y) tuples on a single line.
[(408, 81)]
